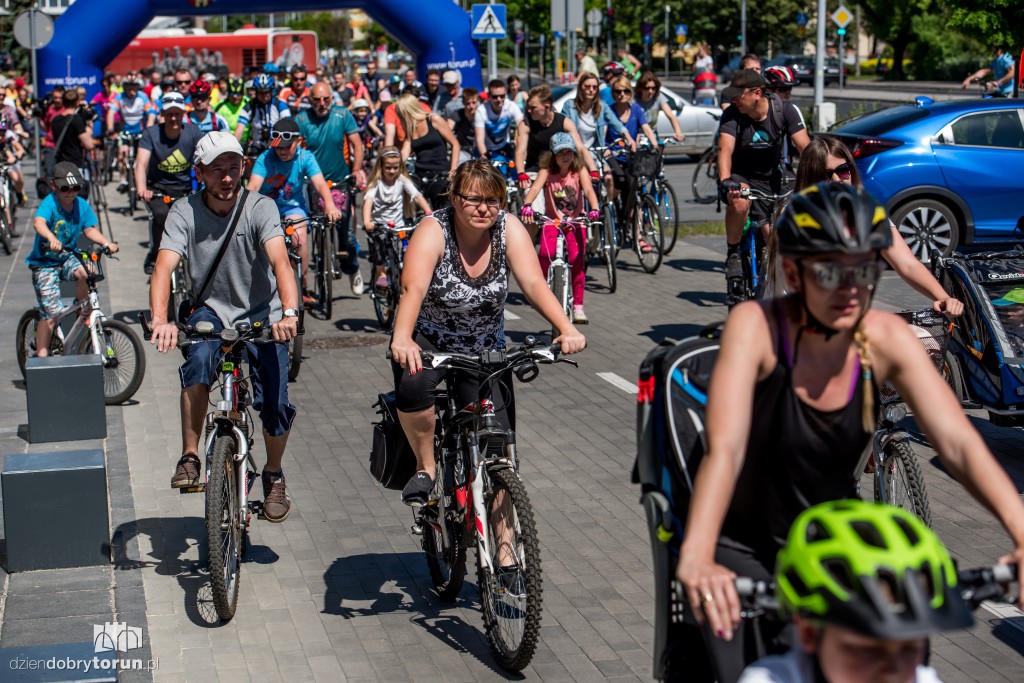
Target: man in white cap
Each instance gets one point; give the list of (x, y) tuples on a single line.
[(163, 166), (252, 281), (450, 101)]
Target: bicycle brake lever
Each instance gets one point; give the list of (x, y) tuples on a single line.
[(569, 361)]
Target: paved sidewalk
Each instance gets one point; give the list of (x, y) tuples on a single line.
[(340, 591)]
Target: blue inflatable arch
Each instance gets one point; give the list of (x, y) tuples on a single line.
[(92, 32)]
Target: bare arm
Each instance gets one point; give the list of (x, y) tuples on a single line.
[(481, 144), (667, 111), (255, 183), (800, 138), (536, 188), (287, 289), (424, 253), (588, 191), (368, 211), (142, 158), (240, 131), (588, 160), (165, 335), (446, 133), (355, 141), (86, 140), (915, 274), (522, 136), (726, 144), (389, 134)]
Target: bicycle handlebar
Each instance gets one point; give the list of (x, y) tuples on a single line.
[(496, 361), (579, 222), (752, 193), (203, 331)]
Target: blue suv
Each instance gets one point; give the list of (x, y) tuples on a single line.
[(948, 172)]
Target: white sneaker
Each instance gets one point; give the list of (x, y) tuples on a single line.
[(579, 316), (356, 280)]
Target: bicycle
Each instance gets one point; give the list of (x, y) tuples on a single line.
[(665, 196), (641, 209), (132, 141), (117, 345), (476, 489), (753, 251), (321, 260), (705, 177), (559, 273), (295, 343), (986, 92), (898, 479), (230, 470), (6, 210), (385, 299), (605, 243)]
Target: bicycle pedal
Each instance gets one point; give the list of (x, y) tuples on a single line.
[(255, 507), (198, 488)]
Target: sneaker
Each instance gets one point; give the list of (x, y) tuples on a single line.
[(416, 492), (276, 502), (733, 267), (382, 282), (578, 316), (734, 288), (356, 280), (122, 187), (148, 266), (186, 473)]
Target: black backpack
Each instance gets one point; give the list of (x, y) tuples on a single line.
[(671, 443)]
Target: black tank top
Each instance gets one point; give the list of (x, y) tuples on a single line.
[(431, 152), (797, 456), (540, 139)]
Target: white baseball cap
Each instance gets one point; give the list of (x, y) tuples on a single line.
[(450, 77), (360, 104), (173, 100), (213, 144)]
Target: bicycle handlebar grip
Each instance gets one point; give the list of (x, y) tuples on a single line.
[(745, 586), (1004, 573), (556, 348)]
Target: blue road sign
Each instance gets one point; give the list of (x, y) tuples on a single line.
[(801, 19), (681, 30), (489, 21), (647, 39)]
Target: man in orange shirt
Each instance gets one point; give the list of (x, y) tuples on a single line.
[(296, 95)]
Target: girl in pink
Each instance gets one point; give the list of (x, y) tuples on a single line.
[(564, 188)]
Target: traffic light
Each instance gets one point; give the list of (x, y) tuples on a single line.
[(739, 38), (841, 31)]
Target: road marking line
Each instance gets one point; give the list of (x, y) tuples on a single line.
[(1008, 613), (619, 382), (509, 315)]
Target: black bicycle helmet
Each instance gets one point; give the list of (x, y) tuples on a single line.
[(830, 218)]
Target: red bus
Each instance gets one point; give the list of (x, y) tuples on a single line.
[(170, 49)]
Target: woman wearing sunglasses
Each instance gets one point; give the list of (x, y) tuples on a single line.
[(827, 158), (791, 407), (650, 98)]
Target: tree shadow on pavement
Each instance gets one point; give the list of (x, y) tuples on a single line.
[(706, 299), (695, 265), (383, 583), (671, 332), (172, 539)]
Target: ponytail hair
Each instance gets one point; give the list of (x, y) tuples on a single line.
[(867, 412)]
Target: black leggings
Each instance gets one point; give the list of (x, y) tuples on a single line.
[(158, 210), (414, 393)]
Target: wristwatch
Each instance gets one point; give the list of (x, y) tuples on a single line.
[(291, 313)]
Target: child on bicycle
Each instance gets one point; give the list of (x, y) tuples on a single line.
[(865, 585), (61, 219), (281, 173), (384, 202), (564, 188)]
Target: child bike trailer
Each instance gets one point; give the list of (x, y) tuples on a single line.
[(987, 344), (671, 403)]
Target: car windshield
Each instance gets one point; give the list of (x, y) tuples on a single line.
[(881, 122)]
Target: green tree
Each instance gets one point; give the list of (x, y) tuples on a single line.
[(942, 53), (22, 58), (893, 22), (993, 22)]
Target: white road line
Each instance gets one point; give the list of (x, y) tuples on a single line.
[(509, 315), (619, 382)]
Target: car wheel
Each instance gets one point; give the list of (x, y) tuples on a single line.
[(928, 225)]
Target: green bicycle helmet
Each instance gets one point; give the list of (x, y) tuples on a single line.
[(871, 568), (830, 218)]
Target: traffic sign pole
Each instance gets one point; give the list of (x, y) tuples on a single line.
[(35, 87), (668, 40), (842, 55)]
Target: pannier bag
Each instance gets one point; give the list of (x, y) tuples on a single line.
[(671, 403), (392, 461), (988, 340)]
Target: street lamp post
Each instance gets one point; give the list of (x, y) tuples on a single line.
[(743, 27), (668, 43)]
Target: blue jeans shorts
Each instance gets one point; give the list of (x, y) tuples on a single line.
[(268, 368), (46, 281)]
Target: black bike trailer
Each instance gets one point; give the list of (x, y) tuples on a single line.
[(671, 442), (988, 340)]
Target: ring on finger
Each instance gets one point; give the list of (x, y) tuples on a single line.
[(707, 597)]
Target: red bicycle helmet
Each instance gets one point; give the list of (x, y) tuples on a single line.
[(612, 67), (779, 76), (200, 89)]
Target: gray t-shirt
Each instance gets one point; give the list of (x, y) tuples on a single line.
[(244, 287)]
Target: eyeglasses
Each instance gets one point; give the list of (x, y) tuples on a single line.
[(320, 99), (843, 171), (498, 97), (284, 135), (589, 86), (831, 275), (617, 91), (490, 202), (650, 87), (183, 82), (70, 188)]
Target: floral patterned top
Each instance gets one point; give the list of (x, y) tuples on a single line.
[(461, 313)]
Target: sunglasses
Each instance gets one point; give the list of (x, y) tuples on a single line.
[(473, 201), (183, 82), (498, 97), (284, 135), (589, 86), (831, 275), (617, 91), (843, 171), (320, 99), (70, 188)]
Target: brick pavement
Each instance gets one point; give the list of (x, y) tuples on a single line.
[(340, 591)]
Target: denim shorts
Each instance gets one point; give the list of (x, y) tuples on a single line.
[(268, 368), (46, 281)]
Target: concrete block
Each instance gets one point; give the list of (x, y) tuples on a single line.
[(65, 398), (55, 510)]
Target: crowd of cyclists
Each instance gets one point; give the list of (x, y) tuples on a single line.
[(794, 396)]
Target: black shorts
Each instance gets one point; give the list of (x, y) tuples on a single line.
[(758, 209)]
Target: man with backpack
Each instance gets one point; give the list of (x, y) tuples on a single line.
[(753, 148)]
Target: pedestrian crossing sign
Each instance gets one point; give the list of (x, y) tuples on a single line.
[(489, 21)]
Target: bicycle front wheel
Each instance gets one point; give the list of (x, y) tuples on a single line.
[(5, 232), (648, 225), (609, 246), (26, 339), (325, 272), (124, 360), (670, 214), (705, 178), (904, 481), (224, 526), (511, 597)]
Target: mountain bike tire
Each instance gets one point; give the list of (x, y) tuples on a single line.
[(670, 215), (512, 624), (648, 218), (447, 564), (904, 482), (560, 288), (609, 247), (124, 360), (5, 233), (26, 339), (295, 343), (705, 178), (324, 272), (223, 527)]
